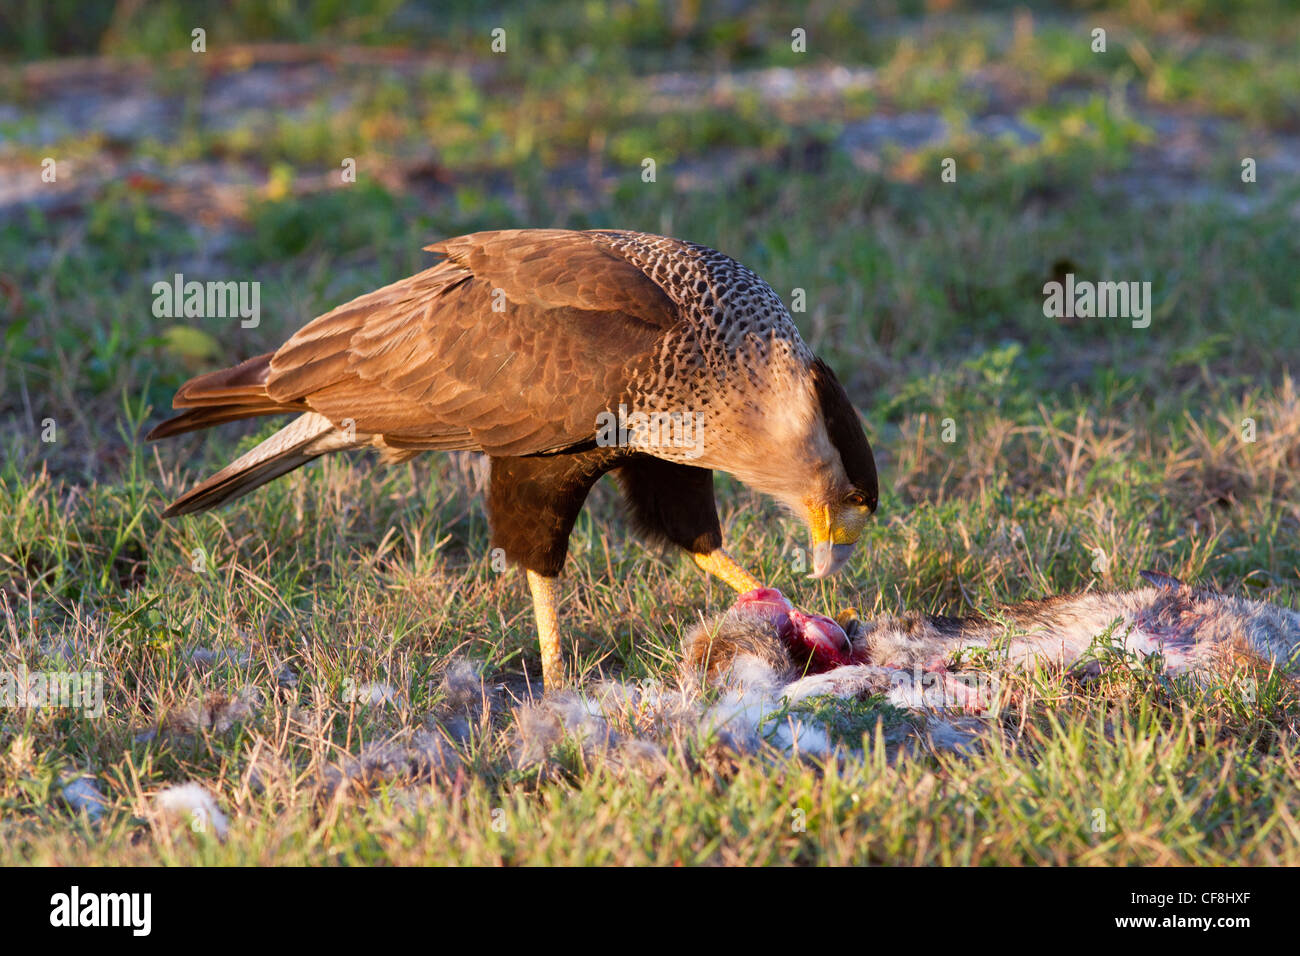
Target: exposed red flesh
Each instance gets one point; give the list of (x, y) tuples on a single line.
[(813, 637)]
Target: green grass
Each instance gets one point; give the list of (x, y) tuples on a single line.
[(1070, 437)]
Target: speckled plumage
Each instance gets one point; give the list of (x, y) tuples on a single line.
[(736, 354)]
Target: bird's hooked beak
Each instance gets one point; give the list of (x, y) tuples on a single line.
[(835, 533), (829, 557)]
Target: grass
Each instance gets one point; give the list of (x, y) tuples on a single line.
[(1083, 450)]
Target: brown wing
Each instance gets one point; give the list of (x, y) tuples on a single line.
[(512, 345)]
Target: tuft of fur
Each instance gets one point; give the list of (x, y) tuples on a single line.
[(1193, 628), (215, 711), (715, 647), (192, 805), (420, 757), (467, 700), (739, 711)]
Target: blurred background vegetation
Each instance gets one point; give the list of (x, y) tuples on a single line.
[(729, 32)]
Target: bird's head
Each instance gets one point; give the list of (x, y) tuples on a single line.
[(846, 493), (804, 445), (832, 482), (835, 524)]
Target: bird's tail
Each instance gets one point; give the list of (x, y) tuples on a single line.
[(224, 396), (240, 392), (306, 437)]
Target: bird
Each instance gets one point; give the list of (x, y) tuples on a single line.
[(563, 356)]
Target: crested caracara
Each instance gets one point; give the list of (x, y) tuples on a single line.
[(563, 356)]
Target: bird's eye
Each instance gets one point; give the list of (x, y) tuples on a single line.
[(856, 499)]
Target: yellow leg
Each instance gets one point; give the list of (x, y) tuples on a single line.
[(723, 565), (545, 591)]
